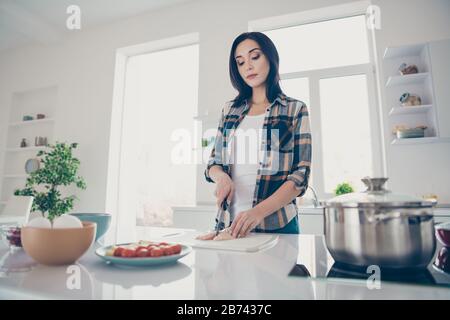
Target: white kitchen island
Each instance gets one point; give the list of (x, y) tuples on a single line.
[(203, 274)]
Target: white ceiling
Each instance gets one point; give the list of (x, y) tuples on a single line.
[(24, 22)]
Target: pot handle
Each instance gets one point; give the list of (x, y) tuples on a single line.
[(375, 184)]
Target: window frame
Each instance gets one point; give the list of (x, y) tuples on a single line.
[(370, 70)]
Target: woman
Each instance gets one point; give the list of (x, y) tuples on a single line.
[(261, 195)]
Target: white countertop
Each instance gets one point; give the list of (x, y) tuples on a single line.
[(203, 274)]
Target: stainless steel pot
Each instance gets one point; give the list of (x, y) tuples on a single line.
[(377, 227)]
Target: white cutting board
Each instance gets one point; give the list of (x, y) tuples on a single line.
[(251, 243)]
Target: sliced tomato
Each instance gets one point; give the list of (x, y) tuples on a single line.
[(156, 252), (163, 244), (142, 252), (176, 248), (167, 250), (118, 252), (139, 248), (128, 253)]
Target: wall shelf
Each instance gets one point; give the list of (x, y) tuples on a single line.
[(31, 122), (416, 78), (403, 51), (26, 149), (410, 141), (420, 84), (410, 110), (26, 103), (15, 176)]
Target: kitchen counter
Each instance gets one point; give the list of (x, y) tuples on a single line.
[(203, 274)]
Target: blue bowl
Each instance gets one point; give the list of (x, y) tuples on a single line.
[(103, 221)]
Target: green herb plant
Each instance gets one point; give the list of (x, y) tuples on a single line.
[(343, 188), (58, 168)]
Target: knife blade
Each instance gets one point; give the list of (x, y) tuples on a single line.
[(220, 224)]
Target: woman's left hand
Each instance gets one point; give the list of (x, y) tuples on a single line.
[(245, 222)]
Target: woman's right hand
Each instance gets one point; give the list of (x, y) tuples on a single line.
[(224, 189)]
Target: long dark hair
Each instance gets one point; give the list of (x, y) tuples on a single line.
[(273, 78)]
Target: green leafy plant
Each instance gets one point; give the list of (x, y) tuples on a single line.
[(58, 168), (343, 188)]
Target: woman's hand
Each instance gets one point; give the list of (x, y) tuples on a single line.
[(245, 222), (224, 189)]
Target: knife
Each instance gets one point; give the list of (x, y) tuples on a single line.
[(220, 224)]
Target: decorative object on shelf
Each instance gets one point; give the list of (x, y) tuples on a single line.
[(343, 188), (24, 143), (430, 197), (403, 132), (40, 116), (59, 169), (32, 165), (27, 118), (408, 69), (40, 141), (408, 100)]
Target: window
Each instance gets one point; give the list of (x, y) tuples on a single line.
[(320, 45), (297, 88), (153, 110), (346, 143), (327, 64)]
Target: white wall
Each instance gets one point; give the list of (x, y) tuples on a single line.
[(83, 67), (422, 168)]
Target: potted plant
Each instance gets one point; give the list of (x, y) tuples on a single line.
[(58, 168), (56, 239)]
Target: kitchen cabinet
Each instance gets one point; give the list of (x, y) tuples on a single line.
[(311, 220), (442, 214)]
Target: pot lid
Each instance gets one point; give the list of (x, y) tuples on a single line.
[(376, 195)]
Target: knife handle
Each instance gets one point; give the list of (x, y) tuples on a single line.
[(224, 204)]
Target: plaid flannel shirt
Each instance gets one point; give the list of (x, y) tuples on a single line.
[(286, 144)]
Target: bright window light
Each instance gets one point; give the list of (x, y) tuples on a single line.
[(320, 45), (297, 88), (346, 136), (161, 94)]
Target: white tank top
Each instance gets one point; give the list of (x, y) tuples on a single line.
[(245, 157)]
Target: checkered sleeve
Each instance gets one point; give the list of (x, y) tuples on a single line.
[(301, 166), (215, 157)]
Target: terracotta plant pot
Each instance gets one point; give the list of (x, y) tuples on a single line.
[(58, 246)]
